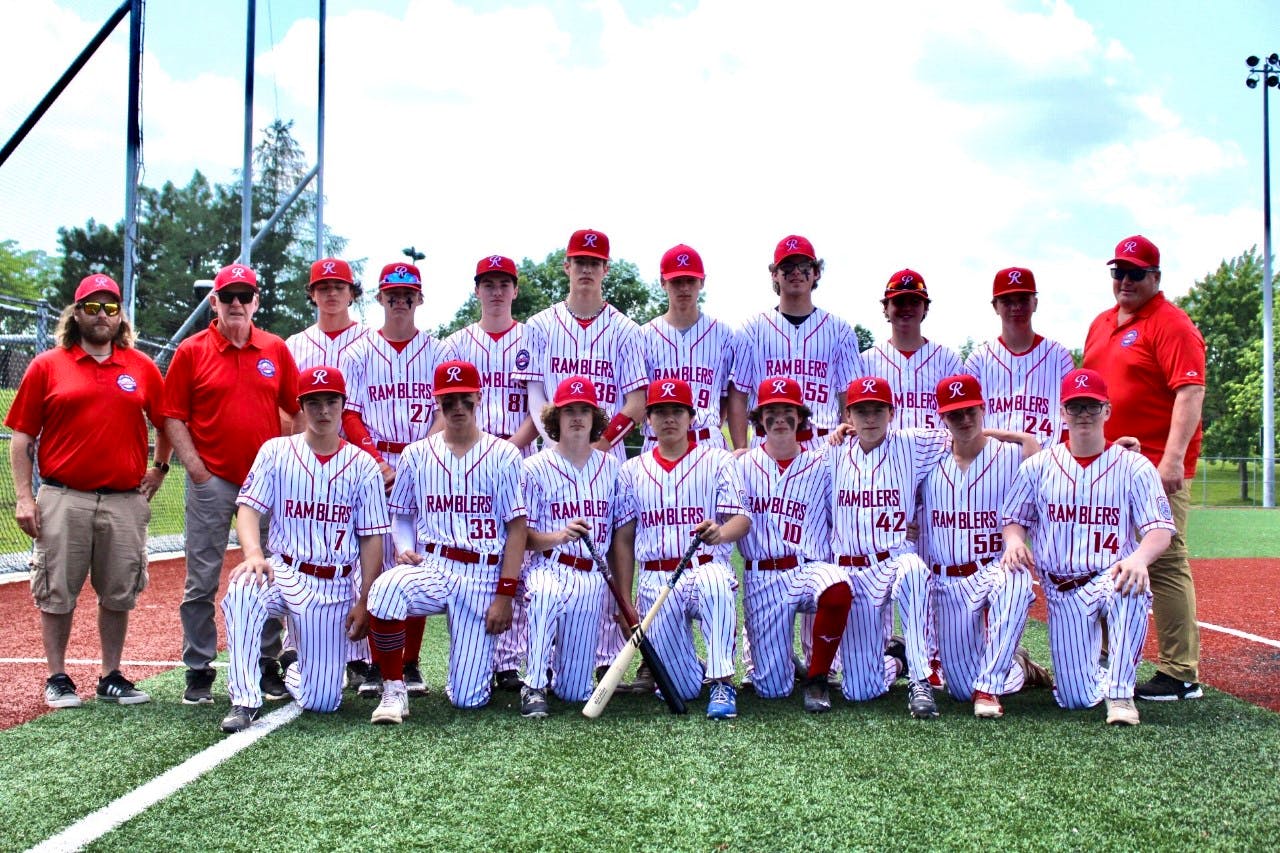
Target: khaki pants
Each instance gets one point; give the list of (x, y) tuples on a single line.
[(1173, 600)]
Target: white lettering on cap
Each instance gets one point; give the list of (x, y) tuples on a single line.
[(575, 388), (320, 377), (589, 240), (329, 267), (402, 269), (779, 386), (1082, 381), (868, 386), (1015, 276), (495, 262), (792, 244), (455, 374), (1131, 245), (668, 389), (907, 279), (100, 281), (956, 389), (682, 260), (237, 272)]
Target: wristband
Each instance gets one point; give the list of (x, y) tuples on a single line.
[(507, 586), (163, 466), (618, 428)]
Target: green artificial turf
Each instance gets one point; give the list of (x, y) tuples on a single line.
[(1220, 532)]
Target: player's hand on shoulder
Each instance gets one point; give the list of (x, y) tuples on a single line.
[(358, 622), (409, 558), (1129, 442), (837, 436), (498, 617), (740, 451), (708, 531), (258, 567), (1130, 576)]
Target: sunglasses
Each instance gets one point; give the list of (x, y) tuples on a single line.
[(244, 297), (802, 267), (913, 286), (1076, 409), (111, 309), (1133, 274)]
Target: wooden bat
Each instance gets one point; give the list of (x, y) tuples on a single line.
[(605, 689)]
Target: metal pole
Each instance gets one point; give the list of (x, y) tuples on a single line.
[(320, 252), (133, 149), (246, 181), (1268, 367)]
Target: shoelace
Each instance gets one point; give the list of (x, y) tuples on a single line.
[(720, 693)]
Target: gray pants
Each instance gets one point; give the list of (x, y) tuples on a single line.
[(210, 507)]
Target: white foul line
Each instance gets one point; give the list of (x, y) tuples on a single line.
[(1244, 635), (98, 662), (94, 826)]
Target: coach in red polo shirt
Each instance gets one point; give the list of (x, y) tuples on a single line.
[(1152, 358), (224, 394), (87, 400)]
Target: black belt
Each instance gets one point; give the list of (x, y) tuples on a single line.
[(49, 481)]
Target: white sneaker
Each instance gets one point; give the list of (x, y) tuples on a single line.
[(394, 706), (1122, 712)]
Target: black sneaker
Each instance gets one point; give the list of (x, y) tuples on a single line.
[(357, 670), (60, 692), (239, 718), (114, 687), (272, 681), (371, 687), (895, 648), (1166, 688), (533, 703), (644, 683), (413, 683), (920, 700), (199, 687), (507, 679)]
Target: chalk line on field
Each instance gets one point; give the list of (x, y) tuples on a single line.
[(1244, 635), (98, 662), (94, 826)]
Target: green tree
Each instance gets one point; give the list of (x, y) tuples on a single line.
[(966, 349), (865, 337)]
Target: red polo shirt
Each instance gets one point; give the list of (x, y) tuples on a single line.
[(1144, 362), (90, 416), (228, 396)]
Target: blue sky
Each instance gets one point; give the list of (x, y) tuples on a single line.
[(954, 138)]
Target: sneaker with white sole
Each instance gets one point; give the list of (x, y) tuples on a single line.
[(413, 681), (1166, 688), (1122, 712), (723, 704), (114, 687), (372, 684), (533, 703), (199, 687), (239, 718), (394, 706), (986, 706), (817, 695), (60, 692), (920, 700)]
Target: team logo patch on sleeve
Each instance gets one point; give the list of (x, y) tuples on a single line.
[(266, 367), (1162, 506), (127, 383), (522, 359), (1130, 337), (248, 481)]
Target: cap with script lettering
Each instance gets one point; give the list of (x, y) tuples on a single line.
[(1013, 280), (680, 261), (330, 269), (1083, 383), (664, 392), (456, 377), (906, 283), (496, 264), (575, 389), (869, 389), (400, 275), (1137, 251), (235, 274), (96, 283), (321, 380), (779, 389), (958, 392), (793, 245), (588, 243)]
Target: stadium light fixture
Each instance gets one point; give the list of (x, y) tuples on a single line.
[(1269, 71)]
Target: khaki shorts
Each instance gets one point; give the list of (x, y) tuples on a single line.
[(86, 535)]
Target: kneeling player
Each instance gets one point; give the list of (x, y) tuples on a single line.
[(459, 529), (1085, 503), (327, 510), (569, 491), (679, 489)]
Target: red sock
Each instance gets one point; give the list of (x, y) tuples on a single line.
[(386, 646), (828, 627), (414, 627)]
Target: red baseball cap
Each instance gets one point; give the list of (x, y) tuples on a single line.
[(1137, 251), (330, 269), (794, 244), (1084, 383), (588, 243), (681, 260), (906, 283), (400, 275), (575, 389), (669, 391), (321, 379), (496, 264), (92, 284), (1013, 280), (779, 389), (868, 389), (456, 377), (961, 391), (235, 274)]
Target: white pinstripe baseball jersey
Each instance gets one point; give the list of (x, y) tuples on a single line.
[(873, 495), (790, 508), (556, 492), (1023, 390), (504, 403), (961, 519), (462, 502), (701, 355), (1083, 520), (391, 389), (914, 380), (317, 509), (313, 348), (821, 354)]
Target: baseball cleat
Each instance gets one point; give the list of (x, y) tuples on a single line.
[(354, 674), (372, 684), (937, 679), (272, 681), (1034, 674), (507, 680), (986, 706), (413, 682), (394, 706), (1165, 688), (60, 692), (533, 703), (723, 704), (114, 687), (897, 650), (644, 683), (199, 687), (239, 718), (920, 700), (817, 695), (1122, 712)]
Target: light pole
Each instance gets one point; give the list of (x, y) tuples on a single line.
[(1268, 70)]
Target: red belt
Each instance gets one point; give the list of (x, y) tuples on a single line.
[(670, 565), (391, 446), (860, 561), (462, 555), (1066, 583), (963, 570), (315, 570), (582, 564), (777, 564)]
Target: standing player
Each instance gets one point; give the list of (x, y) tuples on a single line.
[(491, 344), (874, 483), (327, 511), (1097, 516), (460, 536), (981, 609), (787, 551), (569, 492), (681, 489), (390, 407), (797, 339), (1020, 372)]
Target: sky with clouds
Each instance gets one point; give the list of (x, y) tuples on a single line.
[(952, 138)]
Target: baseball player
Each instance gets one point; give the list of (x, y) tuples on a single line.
[(680, 489), (569, 492), (459, 529), (492, 345), (1020, 371), (787, 551), (874, 483), (391, 405), (1090, 517), (796, 339), (327, 512), (980, 608)]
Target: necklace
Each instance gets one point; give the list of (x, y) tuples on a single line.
[(586, 317)]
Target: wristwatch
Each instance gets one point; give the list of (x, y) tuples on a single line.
[(163, 466)]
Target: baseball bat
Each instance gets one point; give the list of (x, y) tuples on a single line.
[(605, 689), (660, 675)]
